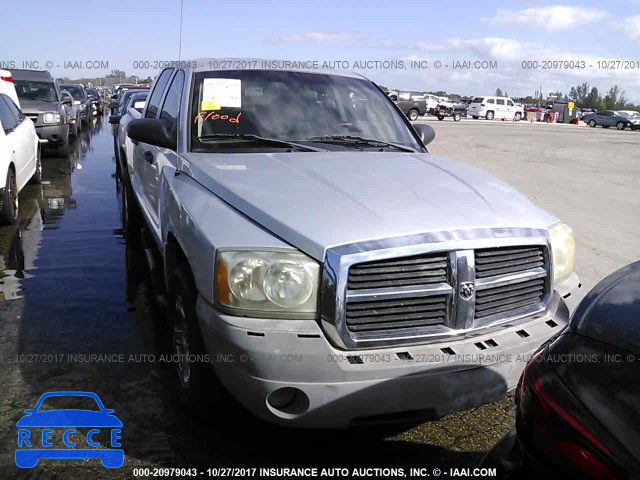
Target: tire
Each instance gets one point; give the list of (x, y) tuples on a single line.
[(456, 117), (413, 114), (518, 116), (64, 150), (475, 117), (489, 115), (620, 125), (131, 216), (197, 386), (9, 200), (73, 131), (37, 176), (440, 117), (592, 123)]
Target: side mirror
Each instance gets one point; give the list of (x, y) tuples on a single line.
[(67, 101), (77, 102), (425, 132), (153, 131), (115, 119)]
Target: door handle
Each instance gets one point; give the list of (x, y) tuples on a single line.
[(148, 156)]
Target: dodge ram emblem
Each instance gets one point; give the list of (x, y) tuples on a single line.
[(467, 289)]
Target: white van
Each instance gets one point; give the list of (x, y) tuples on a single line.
[(495, 107), (7, 87)]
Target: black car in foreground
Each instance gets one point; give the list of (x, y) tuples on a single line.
[(578, 400)]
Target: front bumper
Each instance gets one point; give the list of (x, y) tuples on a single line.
[(54, 134), (255, 357)]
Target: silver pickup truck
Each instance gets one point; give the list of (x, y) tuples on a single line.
[(319, 264)]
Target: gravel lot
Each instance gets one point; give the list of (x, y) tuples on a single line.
[(590, 178)]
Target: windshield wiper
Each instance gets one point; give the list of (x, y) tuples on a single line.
[(257, 139), (351, 139)]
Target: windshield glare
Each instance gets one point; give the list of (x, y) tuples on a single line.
[(41, 91), (292, 106)]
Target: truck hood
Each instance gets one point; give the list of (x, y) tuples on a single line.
[(38, 106), (317, 200)]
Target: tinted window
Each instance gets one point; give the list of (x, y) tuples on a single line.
[(153, 103), (172, 100), (500, 101), (9, 116), (478, 100), (510, 103), (42, 91), (76, 91), (490, 100)]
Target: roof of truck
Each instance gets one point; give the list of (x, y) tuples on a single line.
[(306, 66), (34, 75)]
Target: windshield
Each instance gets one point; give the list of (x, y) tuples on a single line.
[(93, 91), (75, 91), (291, 106), (42, 91)]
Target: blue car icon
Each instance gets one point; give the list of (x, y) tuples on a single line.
[(68, 419)]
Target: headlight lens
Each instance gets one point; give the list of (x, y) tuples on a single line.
[(51, 117), (563, 247), (267, 281)]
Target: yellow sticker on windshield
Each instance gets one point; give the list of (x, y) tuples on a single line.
[(209, 105)]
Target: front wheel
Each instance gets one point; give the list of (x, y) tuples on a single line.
[(592, 123), (440, 117), (413, 115), (518, 116), (196, 383), (620, 125), (9, 200), (456, 117), (489, 116), (37, 175)]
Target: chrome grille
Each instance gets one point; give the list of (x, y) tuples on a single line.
[(417, 270), (396, 313), (434, 286)]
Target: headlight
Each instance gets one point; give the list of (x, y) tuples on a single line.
[(266, 282), (51, 117), (563, 247)]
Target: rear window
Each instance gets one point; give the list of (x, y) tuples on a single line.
[(478, 100)]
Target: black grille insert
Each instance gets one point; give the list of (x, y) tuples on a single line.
[(496, 300), (400, 272), (396, 313), (491, 262)]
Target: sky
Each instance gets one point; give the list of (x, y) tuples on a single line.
[(136, 36)]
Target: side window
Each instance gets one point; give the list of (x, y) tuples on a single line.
[(153, 104), (171, 104), (7, 115), (510, 103), (490, 101), (500, 101)]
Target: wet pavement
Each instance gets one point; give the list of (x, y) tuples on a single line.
[(77, 314)]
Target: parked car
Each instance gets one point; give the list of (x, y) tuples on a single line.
[(42, 102), (412, 104), (453, 108), (119, 90), (19, 157), (81, 100), (577, 401), (7, 87), (96, 100), (137, 101), (334, 236), (495, 107), (611, 118), (123, 100), (73, 113)]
